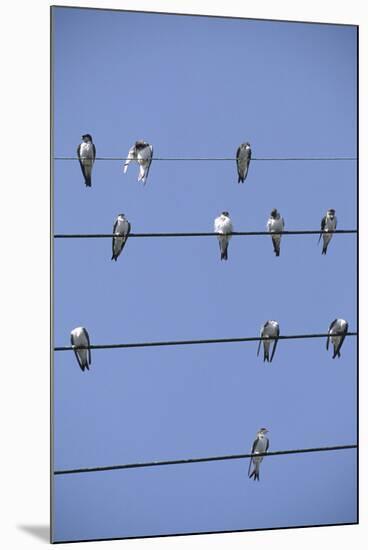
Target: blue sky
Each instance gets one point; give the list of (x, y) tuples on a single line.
[(195, 86)]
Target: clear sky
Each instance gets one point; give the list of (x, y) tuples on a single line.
[(196, 86)]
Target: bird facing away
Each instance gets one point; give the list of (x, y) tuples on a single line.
[(275, 223), (224, 226), (79, 338), (336, 333), (141, 152), (86, 154), (243, 156), (271, 332), (328, 223), (260, 445), (122, 229)]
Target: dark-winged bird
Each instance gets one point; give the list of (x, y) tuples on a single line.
[(275, 224), (79, 338), (87, 154), (260, 445), (336, 333), (141, 152), (121, 229), (328, 223), (243, 156), (270, 332), (224, 226)]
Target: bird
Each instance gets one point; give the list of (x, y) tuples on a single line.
[(79, 338), (260, 445), (122, 229), (243, 156), (328, 223), (86, 154), (275, 223), (223, 225), (270, 331), (142, 152), (336, 333)]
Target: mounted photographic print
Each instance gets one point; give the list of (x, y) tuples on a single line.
[(204, 206)]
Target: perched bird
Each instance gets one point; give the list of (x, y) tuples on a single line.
[(243, 156), (142, 152), (337, 332), (223, 225), (328, 223), (79, 338), (86, 154), (270, 331), (122, 229), (260, 445), (275, 223)]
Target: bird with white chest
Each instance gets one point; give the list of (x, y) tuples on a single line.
[(121, 232), (86, 155), (328, 225), (270, 332), (260, 445), (243, 156), (336, 334), (79, 338), (224, 226), (142, 153), (276, 224)]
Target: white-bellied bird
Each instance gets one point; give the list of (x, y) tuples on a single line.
[(328, 223), (270, 331), (224, 226), (336, 333), (243, 156), (121, 229), (86, 155), (260, 445), (80, 339), (275, 223), (141, 152)]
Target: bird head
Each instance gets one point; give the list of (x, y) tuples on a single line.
[(331, 213), (87, 137), (274, 213), (263, 431), (225, 213)]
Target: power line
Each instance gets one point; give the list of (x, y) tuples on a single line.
[(221, 158), (200, 234), (203, 459), (192, 342)]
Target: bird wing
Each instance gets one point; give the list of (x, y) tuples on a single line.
[(76, 352), (237, 162), (149, 161), (113, 239), (260, 342), (88, 344), (275, 343), (129, 158), (94, 152), (80, 160), (125, 237), (329, 330), (267, 445), (323, 224), (342, 339), (252, 452)]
